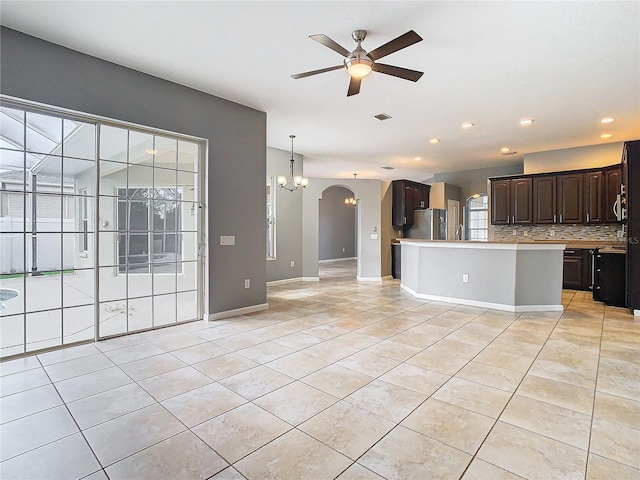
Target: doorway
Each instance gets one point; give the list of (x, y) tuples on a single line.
[(337, 233)]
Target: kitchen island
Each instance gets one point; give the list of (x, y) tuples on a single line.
[(516, 277)]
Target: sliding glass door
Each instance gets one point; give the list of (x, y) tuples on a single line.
[(99, 229)]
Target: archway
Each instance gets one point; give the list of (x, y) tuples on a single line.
[(337, 233)]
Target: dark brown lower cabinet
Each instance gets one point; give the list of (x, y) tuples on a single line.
[(576, 269), (395, 261)]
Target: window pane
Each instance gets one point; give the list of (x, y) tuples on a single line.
[(11, 128), (140, 313), (44, 329), (11, 335), (12, 260), (164, 309), (141, 149), (78, 324), (77, 287), (44, 291), (187, 156), (113, 143), (12, 170), (187, 306), (112, 286), (167, 152), (44, 133), (79, 139)]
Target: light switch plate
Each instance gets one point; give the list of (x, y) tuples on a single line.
[(374, 236), (227, 239)]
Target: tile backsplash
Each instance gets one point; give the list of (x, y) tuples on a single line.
[(603, 233)]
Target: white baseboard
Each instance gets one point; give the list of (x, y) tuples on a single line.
[(310, 279), (369, 279), (284, 280), (493, 306), (636, 313), (237, 311)]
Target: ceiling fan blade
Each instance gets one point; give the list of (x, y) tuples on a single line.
[(327, 42), (403, 41), (399, 72), (354, 86), (315, 72)]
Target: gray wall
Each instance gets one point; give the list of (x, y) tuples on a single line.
[(474, 181), (288, 219), (337, 225), (40, 71)]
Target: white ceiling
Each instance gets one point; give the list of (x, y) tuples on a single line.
[(564, 64)]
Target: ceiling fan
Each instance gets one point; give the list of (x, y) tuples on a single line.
[(359, 63)]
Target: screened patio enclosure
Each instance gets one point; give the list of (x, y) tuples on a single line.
[(99, 229)]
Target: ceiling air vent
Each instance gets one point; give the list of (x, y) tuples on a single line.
[(382, 116), (387, 168)]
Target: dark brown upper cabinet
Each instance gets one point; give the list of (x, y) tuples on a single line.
[(511, 202), (593, 197), (570, 200), (544, 199), (407, 196), (612, 180)]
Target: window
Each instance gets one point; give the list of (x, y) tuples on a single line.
[(271, 222), (477, 217)]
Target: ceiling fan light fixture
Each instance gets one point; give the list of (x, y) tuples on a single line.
[(359, 67)]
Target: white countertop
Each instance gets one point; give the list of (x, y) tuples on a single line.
[(481, 245)]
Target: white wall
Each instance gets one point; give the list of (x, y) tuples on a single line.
[(592, 156)]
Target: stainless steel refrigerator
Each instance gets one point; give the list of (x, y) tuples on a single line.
[(428, 224)]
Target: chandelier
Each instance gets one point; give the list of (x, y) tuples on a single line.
[(292, 182), (351, 201)]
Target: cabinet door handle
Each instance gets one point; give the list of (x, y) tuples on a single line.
[(560, 218), (405, 220), (587, 218), (554, 218)]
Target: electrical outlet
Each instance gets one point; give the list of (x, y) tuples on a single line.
[(465, 278), (515, 232), (293, 264), (247, 283)]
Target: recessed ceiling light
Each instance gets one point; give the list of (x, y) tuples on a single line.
[(525, 122), (467, 125), (151, 151), (417, 159), (505, 149), (607, 120), (606, 135), (434, 140)]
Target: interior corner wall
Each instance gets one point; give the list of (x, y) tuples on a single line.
[(337, 225), (387, 230), (591, 156), (368, 194), (44, 72), (288, 219)]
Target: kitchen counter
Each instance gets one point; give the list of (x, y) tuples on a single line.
[(511, 276)]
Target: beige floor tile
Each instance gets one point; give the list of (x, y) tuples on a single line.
[(616, 442), (239, 341), (620, 378), (600, 468), (199, 353), (298, 364), (405, 454), (429, 329), (559, 423), (293, 455), (225, 365), (531, 455), (478, 341), (296, 402), (298, 340), (368, 363), (52, 461), (228, 473), (357, 340), (557, 393), (183, 456), (256, 382), (337, 381), (265, 352), (347, 429), (174, 383), (415, 339), (27, 433), (28, 402), (525, 336), (78, 366), (386, 400), (617, 409), (481, 470), (240, 431), (123, 436), (496, 377), (395, 350), (176, 341), (358, 472), (419, 380), (92, 383), (504, 359), (439, 361), (518, 348), (71, 353), (90, 411), (149, 367), (330, 350), (473, 396), (326, 331), (18, 365), (451, 425), (202, 404), (131, 353), (563, 372)]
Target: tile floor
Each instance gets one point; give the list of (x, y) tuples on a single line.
[(338, 379)]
